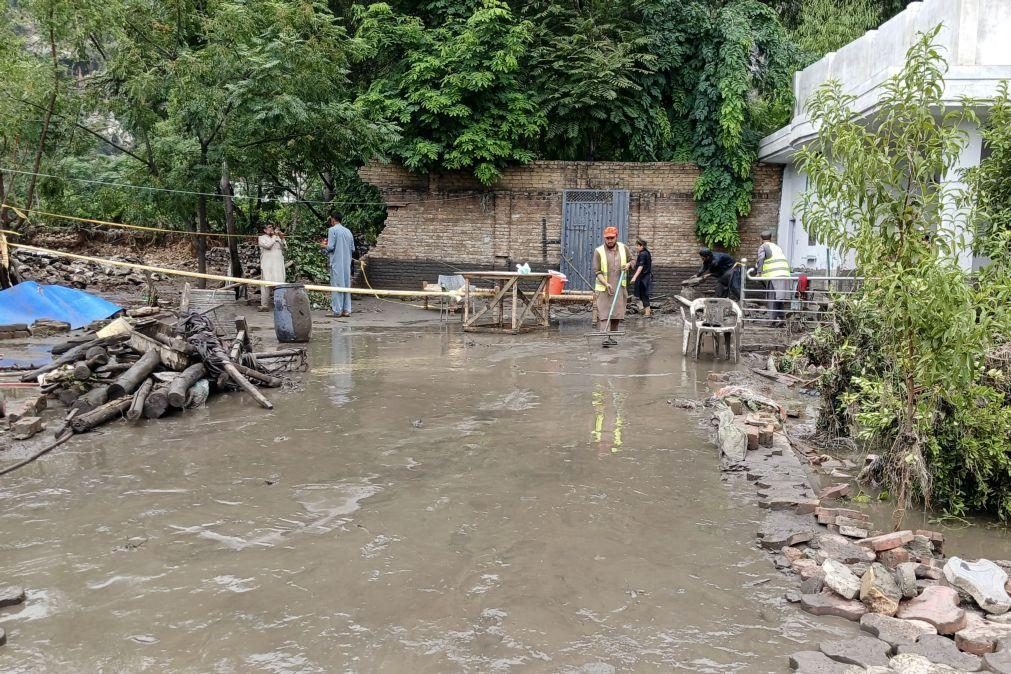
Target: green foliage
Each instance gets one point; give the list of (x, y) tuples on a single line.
[(826, 25), (460, 94), (911, 341)]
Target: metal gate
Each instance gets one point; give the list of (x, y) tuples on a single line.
[(585, 215)]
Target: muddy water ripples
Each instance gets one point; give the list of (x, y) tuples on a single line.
[(431, 502)]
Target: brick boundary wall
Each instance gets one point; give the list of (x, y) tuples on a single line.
[(445, 223)]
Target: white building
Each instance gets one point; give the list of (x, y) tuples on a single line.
[(976, 37)]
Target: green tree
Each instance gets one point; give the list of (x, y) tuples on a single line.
[(460, 93), (874, 189), (826, 25)]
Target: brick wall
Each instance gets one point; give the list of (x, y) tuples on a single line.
[(442, 223)]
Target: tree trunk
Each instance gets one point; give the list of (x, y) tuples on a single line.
[(235, 264), (130, 381), (33, 179), (202, 239), (181, 384)]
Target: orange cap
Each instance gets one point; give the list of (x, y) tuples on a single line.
[(611, 231)]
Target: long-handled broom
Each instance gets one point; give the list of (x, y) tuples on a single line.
[(610, 333)]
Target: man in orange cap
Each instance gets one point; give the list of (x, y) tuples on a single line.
[(609, 261)]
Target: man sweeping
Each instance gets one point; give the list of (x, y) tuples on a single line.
[(340, 247), (610, 262)]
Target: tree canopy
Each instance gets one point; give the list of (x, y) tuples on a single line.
[(276, 102)]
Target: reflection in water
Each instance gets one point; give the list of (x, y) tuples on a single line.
[(340, 358), (600, 415)]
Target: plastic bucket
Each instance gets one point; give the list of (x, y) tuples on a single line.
[(556, 284), (292, 314)]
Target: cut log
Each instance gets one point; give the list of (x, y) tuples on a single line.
[(262, 377), (239, 379), (156, 403), (63, 347), (197, 394), (114, 368), (94, 398), (240, 340), (97, 353), (86, 368), (70, 356), (130, 381), (177, 389), (99, 415), (139, 398), (68, 396)]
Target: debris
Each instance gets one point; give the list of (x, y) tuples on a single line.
[(941, 650), (862, 651), (878, 590), (840, 579), (895, 631), (829, 603), (937, 605), (11, 595), (983, 580), (26, 427)]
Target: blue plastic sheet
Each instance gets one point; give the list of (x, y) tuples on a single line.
[(28, 302)]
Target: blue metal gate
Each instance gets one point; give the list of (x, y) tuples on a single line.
[(585, 214)]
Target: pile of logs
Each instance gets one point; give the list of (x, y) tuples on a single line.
[(154, 366)]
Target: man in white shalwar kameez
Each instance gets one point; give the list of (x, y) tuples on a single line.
[(272, 247), (340, 247)]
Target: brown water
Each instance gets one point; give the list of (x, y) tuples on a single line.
[(432, 502)]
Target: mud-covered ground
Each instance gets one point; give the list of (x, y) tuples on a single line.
[(423, 500)]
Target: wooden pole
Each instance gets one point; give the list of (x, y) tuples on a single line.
[(69, 356), (262, 377), (237, 377), (181, 384), (137, 407), (130, 381)]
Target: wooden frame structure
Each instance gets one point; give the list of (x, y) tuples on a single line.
[(507, 284)]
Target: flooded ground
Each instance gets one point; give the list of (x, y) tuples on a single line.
[(431, 501)]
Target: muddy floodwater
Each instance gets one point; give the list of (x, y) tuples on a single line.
[(429, 501)]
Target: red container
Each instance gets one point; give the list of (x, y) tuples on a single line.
[(556, 284)]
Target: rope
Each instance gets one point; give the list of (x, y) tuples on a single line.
[(233, 279)]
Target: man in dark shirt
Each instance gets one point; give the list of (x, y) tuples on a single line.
[(723, 268)]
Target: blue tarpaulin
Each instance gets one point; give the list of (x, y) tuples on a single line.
[(28, 302)]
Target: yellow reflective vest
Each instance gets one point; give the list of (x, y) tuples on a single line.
[(602, 252), (775, 264)]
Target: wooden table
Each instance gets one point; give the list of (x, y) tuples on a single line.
[(507, 284)]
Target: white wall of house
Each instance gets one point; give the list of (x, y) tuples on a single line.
[(976, 40)]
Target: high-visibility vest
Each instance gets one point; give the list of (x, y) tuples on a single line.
[(775, 264), (602, 252)]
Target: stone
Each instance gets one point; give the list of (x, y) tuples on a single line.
[(807, 568), (835, 492), (828, 515), (11, 595), (878, 590), (812, 585), (839, 548), (892, 558), (896, 539), (910, 663), (983, 580), (829, 603), (981, 638), (795, 503), (859, 569), (937, 605), (863, 651), (921, 547), (792, 596), (894, 631), (936, 538), (26, 427), (924, 571), (941, 650), (853, 532), (791, 553), (999, 662), (814, 662), (905, 578), (29, 407), (840, 579), (780, 562), (781, 528)]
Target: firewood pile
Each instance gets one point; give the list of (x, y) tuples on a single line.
[(155, 366)]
